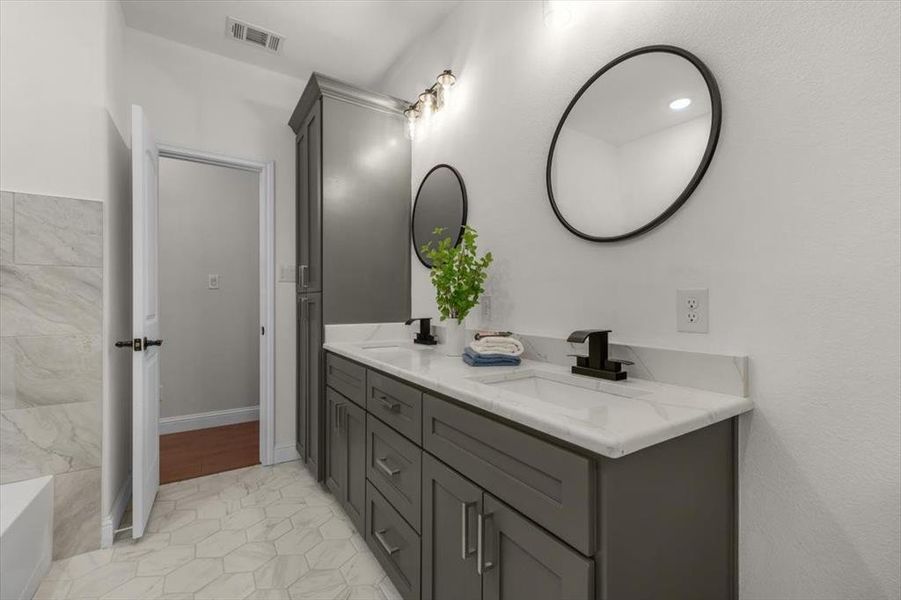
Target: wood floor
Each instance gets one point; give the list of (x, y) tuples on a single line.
[(190, 454)]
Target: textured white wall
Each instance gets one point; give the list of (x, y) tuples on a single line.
[(209, 223), (215, 104), (795, 230)]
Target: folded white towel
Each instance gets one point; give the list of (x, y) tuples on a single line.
[(498, 345)]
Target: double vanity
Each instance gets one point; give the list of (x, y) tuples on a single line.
[(530, 481)]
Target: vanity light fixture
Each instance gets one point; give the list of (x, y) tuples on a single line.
[(430, 101), (680, 103)]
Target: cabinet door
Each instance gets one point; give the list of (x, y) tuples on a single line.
[(521, 561), (354, 428), (450, 505), (312, 348), (302, 413), (309, 203), (335, 445)]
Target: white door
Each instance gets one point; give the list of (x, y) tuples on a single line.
[(145, 161)]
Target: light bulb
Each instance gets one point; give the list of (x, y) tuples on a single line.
[(427, 101), (411, 114), (680, 103), (445, 82)]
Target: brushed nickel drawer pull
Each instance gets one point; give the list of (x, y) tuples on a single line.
[(382, 463), (387, 404), (481, 564), (380, 536)]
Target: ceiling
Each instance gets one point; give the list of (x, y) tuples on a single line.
[(355, 41), (631, 100)]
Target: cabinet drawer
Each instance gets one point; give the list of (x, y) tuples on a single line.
[(346, 377), (551, 485), (397, 404), (394, 543), (394, 466)]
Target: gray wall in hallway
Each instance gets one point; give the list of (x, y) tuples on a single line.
[(209, 224)]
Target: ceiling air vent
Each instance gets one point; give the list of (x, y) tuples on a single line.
[(253, 35)]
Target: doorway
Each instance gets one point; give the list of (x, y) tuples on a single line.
[(216, 309)]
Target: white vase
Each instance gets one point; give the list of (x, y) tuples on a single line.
[(454, 337)]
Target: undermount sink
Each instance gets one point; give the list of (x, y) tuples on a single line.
[(385, 350), (570, 391)]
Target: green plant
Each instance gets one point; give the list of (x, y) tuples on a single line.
[(457, 273)]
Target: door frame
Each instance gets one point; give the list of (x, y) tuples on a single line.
[(266, 171)]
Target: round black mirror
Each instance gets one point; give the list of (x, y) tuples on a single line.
[(633, 144), (440, 202)]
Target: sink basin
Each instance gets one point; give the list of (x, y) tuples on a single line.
[(569, 391), (388, 350)]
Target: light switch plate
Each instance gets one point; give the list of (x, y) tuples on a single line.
[(692, 311), (287, 274), (213, 281)]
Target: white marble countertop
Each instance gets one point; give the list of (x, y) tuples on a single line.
[(611, 424)]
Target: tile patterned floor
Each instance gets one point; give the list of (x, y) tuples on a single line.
[(256, 533)]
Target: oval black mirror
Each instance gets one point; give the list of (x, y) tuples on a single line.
[(440, 202), (633, 144)]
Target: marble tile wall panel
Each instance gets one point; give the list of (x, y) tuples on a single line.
[(6, 227), (51, 257), (45, 370), (48, 440), (50, 300), (76, 513), (58, 231)]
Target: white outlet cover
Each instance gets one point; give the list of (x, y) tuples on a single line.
[(693, 311), (213, 281), (485, 303)]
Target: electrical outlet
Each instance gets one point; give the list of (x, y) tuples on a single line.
[(213, 281), (692, 311), (485, 303)]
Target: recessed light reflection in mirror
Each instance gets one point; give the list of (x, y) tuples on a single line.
[(680, 103)]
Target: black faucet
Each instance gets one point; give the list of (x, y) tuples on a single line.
[(425, 331), (596, 364)]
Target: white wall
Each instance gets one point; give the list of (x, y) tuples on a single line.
[(795, 230), (63, 132), (209, 223), (207, 102)]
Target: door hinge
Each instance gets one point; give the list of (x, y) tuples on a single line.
[(262, 330)]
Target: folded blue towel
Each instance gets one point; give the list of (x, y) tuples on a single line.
[(477, 359)]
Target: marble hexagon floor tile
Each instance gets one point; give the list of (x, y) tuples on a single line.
[(264, 533)]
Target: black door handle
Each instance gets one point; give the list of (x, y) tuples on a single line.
[(124, 344), (148, 343)]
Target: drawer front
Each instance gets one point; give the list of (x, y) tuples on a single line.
[(395, 403), (346, 377), (395, 545), (551, 485), (394, 466)]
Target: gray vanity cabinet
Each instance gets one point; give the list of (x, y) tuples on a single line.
[(309, 354), (309, 202), (450, 506), (355, 440), (335, 447), (345, 472), (520, 560), (457, 504)]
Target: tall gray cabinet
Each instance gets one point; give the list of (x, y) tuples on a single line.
[(352, 231)]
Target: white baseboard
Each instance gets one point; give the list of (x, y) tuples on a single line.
[(285, 453), (111, 521), (215, 418)]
